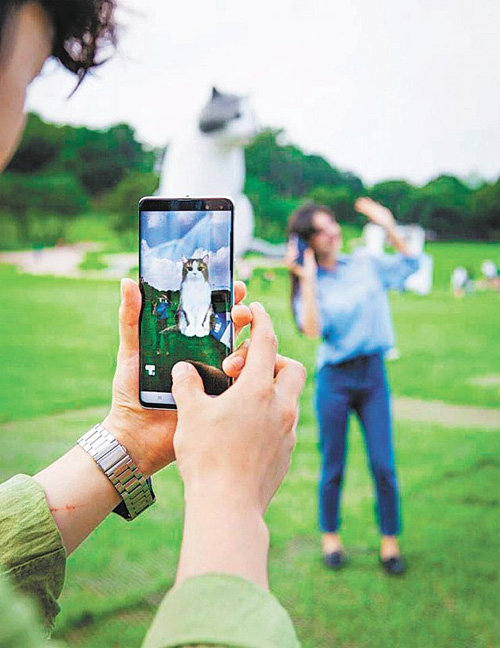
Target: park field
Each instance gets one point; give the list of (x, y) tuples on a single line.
[(59, 339)]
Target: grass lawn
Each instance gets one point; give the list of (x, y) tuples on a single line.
[(58, 350), (448, 597)]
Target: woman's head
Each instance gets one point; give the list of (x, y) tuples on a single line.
[(318, 227), (73, 31)]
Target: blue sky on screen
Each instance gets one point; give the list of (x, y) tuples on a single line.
[(168, 236)]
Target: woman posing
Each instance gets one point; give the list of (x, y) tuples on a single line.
[(343, 299)]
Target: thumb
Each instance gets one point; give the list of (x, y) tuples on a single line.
[(128, 318), (187, 386)]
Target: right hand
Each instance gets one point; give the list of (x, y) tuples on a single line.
[(238, 446), (309, 268), (148, 433)]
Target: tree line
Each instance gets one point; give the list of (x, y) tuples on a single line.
[(61, 172)]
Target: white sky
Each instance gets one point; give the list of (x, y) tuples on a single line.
[(400, 88)]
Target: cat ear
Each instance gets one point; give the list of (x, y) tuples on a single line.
[(205, 258), (215, 93), (184, 260)]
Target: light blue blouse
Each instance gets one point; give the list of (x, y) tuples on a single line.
[(355, 315)]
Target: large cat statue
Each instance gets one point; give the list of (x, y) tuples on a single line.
[(208, 159)]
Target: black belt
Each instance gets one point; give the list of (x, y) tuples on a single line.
[(358, 361)]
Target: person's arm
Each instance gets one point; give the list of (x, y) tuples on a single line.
[(19, 622), (220, 596), (382, 216), (79, 494), (57, 509), (32, 554), (310, 309), (306, 304)]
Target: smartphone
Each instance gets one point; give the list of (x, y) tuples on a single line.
[(301, 246), (186, 281)]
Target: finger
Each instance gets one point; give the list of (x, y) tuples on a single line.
[(187, 385), (309, 255), (290, 378), (292, 252), (233, 364), (293, 245), (240, 291), (241, 316), (261, 356), (128, 318)]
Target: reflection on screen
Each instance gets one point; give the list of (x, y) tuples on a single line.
[(185, 278)]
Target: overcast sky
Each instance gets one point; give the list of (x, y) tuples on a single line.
[(386, 89)]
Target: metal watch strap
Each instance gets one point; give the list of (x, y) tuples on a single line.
[(115, 462)]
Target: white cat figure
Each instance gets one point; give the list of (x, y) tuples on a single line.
[(194, 315), (209, 160)]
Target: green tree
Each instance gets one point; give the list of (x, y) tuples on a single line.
[(271, 210), (39, 148), (101, 159), (340, 199), (122, 200), (444, 206), (288, 170), (28, 197), (486, 211), (397, 195)]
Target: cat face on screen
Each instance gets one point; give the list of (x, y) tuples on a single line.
[(195, 268)]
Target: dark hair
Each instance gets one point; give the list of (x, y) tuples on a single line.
[(81, 29), (301, 224), (301, 220)]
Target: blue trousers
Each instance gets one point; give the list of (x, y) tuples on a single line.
[(358, 385)]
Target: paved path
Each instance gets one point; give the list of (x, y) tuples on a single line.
[(65, 260), (485, 418), (409, 409)]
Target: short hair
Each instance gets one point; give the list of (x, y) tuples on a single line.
[(81, 29)]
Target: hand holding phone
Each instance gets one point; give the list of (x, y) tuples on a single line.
[(186, 278), (300, 246), (300, 258)]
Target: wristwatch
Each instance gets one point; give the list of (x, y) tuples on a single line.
[(113, 459)]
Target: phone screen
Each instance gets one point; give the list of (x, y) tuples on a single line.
[(185, 274)]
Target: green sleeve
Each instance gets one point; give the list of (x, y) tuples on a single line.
[(31, 550), (221, 610), (19, 623)]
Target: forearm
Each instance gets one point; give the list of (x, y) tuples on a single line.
[(310, 325), (232, 539), (78, 494), (396, 239)]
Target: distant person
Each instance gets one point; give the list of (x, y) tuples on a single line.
[(490, 279), (221, 592), (342, 299), (458, 281)]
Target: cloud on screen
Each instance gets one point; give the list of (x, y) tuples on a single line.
[(164, 274)]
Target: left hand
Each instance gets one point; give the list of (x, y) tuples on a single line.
[(376, 212), (147, 434)]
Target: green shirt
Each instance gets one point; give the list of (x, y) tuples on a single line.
[(213, 609)]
